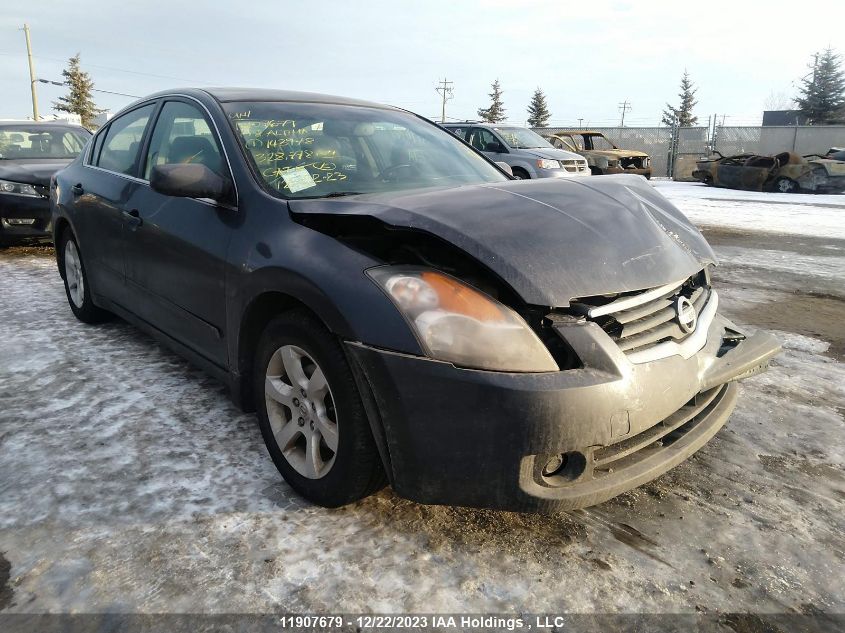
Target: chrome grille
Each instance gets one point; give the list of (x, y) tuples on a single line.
[(573, 165), (641, 321)]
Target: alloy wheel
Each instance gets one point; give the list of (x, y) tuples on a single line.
[(73, 274), (301, 411)]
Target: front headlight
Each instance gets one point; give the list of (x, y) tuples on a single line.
[(545, 163), (18, 189), (456, 323)]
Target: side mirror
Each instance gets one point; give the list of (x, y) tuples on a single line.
[(495, 147), (504, 167), (189, 180)]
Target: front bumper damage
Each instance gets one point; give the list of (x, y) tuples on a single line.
[(486, 439), (24, 220)]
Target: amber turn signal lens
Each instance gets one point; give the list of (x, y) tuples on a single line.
[(456, 297)]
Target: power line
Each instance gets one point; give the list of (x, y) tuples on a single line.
[(120, 70), (110, 92)]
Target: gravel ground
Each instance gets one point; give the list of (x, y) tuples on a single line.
[(129, 483)]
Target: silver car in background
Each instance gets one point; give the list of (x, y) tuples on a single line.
[(528, 154)]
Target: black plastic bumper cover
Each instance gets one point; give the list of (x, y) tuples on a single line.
[(478, 438), (16, 207)]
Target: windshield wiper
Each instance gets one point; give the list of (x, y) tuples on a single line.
[(340, 194)]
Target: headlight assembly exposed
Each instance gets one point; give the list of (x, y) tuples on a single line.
[(454, 322), (18, 188)]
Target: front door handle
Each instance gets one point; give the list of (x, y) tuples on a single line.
[(77, 189), (132, 219)]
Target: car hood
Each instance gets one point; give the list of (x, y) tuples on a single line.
[(615, 153), (31, 172), (551, 153), (832, 167), (551, 240)]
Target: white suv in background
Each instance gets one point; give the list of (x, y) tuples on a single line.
[(528, 154)]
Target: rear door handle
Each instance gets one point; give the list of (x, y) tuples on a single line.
[(132, 219), (77, 189)]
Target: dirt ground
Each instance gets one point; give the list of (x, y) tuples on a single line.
[(129, 483)]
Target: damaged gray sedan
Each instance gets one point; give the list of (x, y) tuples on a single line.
[(396, 308)]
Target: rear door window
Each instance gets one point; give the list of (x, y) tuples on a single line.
[(121, 146), (479, 138)]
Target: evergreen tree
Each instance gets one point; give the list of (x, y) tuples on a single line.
[(682, 115), (496, 112), (821, 95), (538, 110), (79, 99)]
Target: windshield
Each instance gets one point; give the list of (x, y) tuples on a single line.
[(307, 150), (600, 142), (521, 138), (41, 141)]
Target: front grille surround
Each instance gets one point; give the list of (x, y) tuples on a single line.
[(647, 323)]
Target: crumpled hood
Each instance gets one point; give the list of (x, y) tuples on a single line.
[(31, 172), (552, 239)]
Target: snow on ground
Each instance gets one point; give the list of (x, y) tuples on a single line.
[(130, 483), (792, 213)]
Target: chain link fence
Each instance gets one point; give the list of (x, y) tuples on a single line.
[(803, 139), (664, 145)]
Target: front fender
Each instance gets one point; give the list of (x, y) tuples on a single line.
[(323, 274), (525, 166)]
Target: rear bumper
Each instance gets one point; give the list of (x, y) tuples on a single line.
[(476, 438), (15, 208)]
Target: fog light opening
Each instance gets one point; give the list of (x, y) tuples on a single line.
[(18, 221), (565, 467)]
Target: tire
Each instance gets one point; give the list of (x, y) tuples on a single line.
[(520, 174), (319, 438), (77, 288), (786, 185)]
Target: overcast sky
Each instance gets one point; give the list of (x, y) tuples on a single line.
[(587, 56)]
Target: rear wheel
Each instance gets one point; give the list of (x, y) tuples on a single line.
[(311, 415), (77, 288), (786, 185)]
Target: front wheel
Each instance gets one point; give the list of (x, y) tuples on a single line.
[(311, 415), (786, 185), (77, 288)]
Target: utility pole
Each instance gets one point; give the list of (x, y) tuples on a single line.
[(32, 79), (624, 107), (445, 90), (579, 123)]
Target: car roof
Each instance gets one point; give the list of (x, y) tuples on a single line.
[(229, 94), (585, 132), (493, 126), (12, 122)]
